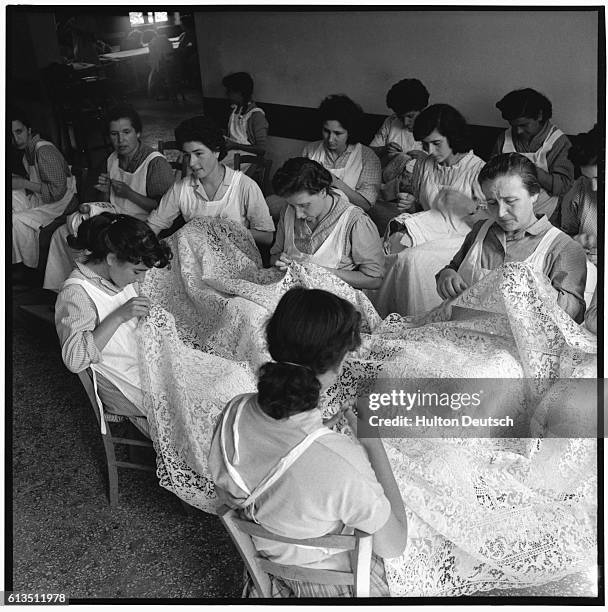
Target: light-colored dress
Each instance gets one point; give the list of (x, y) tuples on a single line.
[(238, 198), (546, 203), (61, 257), (238, 131), (392, 130), (409, 284), (30, 213)]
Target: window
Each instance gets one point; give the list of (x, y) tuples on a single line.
[(136, 18)]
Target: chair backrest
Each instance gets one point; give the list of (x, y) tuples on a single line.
[(258, 170), (177, 161), (359, 545)]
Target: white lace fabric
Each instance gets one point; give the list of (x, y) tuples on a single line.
[(483, 513)]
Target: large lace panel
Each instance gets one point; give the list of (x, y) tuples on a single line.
[(484, 513)]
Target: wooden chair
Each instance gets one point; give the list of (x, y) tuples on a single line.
[(109, 440), (258, 170), (178, 163), (258, 568)]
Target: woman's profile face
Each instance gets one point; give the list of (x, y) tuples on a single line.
[(123, 273), (438, 147), (527, 127), (335, 137), (202, 161), (309, 206), (509, 202), (123, 136), (21, 134)]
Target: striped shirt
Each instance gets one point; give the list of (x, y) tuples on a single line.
[(53, 170), (370, 178), (76, 319)]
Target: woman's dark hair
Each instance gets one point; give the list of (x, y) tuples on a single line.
[(18, 115), (201, 129), (312, 328), (347, 113), (585, 148), (301, 174), (407, 95), (448, 122), (511, 163), (128, 238), (125, 111), (241, 82), (525, 103)]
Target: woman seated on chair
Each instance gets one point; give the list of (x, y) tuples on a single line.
[(321, 226), (330, 483), (212, 189), (532, 134), (355, 168), (443, 200), (135, 180), (98, 308), (394, 142), (515, 233), (41, 197), (247, 126)]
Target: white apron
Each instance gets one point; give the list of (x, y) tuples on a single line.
[(352, 170), (545, 204), (61, 258), (470, 269), (227, 207), (30, 213), (237, 131), (331, 252), (279, 469), (120, 361), (136, 180)]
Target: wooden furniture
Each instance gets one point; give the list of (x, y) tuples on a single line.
[(110, 441), (258, 170), (258, 568)]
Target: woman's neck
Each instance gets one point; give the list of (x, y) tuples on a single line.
[(212, 181), (100, 268), (330, 204), (453, 159)]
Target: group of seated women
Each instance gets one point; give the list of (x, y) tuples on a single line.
[(459, 219)]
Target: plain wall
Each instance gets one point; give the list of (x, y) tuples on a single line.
[(469, 59)]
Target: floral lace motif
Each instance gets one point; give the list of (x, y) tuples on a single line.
[(483, 513)]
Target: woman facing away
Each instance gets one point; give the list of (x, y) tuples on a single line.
[(135, 179), (394, 143), (212, 189), (534, 135), (322, 482), (247, 126), (442, 204), (41, 197), (321, 226), (99, 305), (515, 233)]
